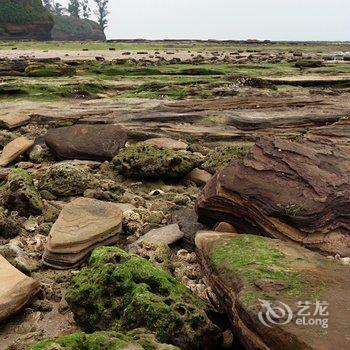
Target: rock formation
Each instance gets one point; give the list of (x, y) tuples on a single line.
[(297, 191), (86, 142), (250, 273), (82, 225), (24, 19)]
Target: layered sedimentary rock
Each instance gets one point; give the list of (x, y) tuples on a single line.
[(24, 19), (298, 191), (86, 142), (266, 285), (82, 225)]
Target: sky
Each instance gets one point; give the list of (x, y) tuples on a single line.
[(229, 19)]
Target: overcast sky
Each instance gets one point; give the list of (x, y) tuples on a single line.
[(229, 19)]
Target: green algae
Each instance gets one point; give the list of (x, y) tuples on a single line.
[(119, 291)]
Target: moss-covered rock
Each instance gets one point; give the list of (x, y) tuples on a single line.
[(147, 161), (49, 70), (66, 180), (20, 194), (9, 227), (222, 155), (137, 339), (119, 291)]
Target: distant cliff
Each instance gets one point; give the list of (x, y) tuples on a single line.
[(72, 29), (24, 19)]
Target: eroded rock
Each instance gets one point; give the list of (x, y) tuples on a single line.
[(14, 149)]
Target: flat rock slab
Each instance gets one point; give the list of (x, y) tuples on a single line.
[(296, 191), (16, 289), (82, 225), (12, 121), (14, 149), (257, 277), (163, 235), (164, 142), (86, 142)]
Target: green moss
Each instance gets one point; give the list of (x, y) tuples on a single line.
[(254, 258), (147, 161), (222, 155), (66, 180), (292, 210), (23, 11), (119, 291), (51, 70), (9, 227), (104, 341), (20, 194)]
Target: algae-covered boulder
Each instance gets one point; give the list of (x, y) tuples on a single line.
[(9, 227), (278, 295), (134, 340), (148, 161), (66, 180), (19, 193), (122, 291), (49, 70), (222, 155)]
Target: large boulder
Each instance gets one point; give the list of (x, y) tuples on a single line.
[(16, 289), (148, 161), (137, 339), (20, 194), (86, 142), (82, 225), (25, 19), (122, 291), (277, 294), (297, 191), (65, 179)]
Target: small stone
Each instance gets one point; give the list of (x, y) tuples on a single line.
[(164, 142), (199, 176), (11, 121), (225, 227), (165, 235)]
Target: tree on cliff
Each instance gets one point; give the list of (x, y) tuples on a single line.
[(102, 13), (74, 8)]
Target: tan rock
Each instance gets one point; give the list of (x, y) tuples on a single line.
[(199, 176), (11, 121), (16, 289), (14, 149), (165, 142), (82, 225), (225, 227)]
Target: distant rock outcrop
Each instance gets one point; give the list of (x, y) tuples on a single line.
[(25, 19), (68, 28)]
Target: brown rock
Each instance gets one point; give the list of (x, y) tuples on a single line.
[(14, 149), (298, 191), (16, 289), (225, 227), (255, 277), (199, 176), (82, 225), (12, 121), (164, 142), (86, 142)]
